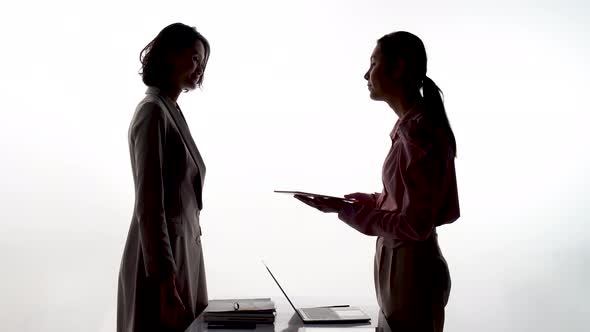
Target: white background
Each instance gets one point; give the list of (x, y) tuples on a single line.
[(285, 106)]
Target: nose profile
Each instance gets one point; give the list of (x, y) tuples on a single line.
[(366, 75)]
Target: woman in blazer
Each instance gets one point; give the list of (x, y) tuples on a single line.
[(162, 284), (419, 193)]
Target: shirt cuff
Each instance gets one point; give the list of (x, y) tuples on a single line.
[(346, 213)]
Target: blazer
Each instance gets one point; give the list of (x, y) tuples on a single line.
[(165, 232)]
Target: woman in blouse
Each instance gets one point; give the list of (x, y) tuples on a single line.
[(412, 280)]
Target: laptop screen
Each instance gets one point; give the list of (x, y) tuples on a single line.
[(281, 288)]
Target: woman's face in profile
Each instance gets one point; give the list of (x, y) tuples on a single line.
[(381, 78), (189, 67), (375, 76)]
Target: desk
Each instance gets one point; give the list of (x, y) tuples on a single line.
[(286, 320)]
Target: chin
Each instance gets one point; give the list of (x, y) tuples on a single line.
[(374, 96), (190, 86)]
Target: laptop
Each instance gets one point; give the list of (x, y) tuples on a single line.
[(326, 315)]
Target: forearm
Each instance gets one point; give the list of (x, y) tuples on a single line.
[(397, 225), (155, 246)]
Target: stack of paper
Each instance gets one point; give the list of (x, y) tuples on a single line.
[(240, 311)]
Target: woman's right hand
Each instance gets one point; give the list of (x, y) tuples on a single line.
[(362, 198), (172, 310)]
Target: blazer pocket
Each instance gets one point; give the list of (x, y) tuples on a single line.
[(175, 226)]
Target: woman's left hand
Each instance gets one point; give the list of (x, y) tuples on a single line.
[(324, 204)]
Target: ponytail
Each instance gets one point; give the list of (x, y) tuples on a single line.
[(434, 103)]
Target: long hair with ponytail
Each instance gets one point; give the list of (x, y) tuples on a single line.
[(409, 48)]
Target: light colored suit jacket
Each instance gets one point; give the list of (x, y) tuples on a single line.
[(164, 236)]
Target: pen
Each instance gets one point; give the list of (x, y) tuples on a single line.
[(336, 306)]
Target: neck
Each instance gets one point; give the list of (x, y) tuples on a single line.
[(171, 93), (403, 103)]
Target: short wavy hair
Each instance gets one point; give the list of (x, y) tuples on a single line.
[(173, 39)]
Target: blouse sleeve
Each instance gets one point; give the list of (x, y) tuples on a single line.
[(422, 176)]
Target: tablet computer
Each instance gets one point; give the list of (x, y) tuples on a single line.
[(302, 193)]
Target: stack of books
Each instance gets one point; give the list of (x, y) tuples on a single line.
[(244, 313)]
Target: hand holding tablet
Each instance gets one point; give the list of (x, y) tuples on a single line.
[(311, 195), (323, 203)]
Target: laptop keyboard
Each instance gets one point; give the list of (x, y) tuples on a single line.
[(320, 313)]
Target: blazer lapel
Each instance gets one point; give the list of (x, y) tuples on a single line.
[(184, 131)]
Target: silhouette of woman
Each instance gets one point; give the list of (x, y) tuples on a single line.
[(162, 284), (419, 193)]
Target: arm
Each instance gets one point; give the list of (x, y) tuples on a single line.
[(148, 136), (375, 197), (415, 219), (363, 198)]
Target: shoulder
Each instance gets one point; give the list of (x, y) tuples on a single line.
[(423, 134), (150, 107), (149, 112), (418, 132)]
